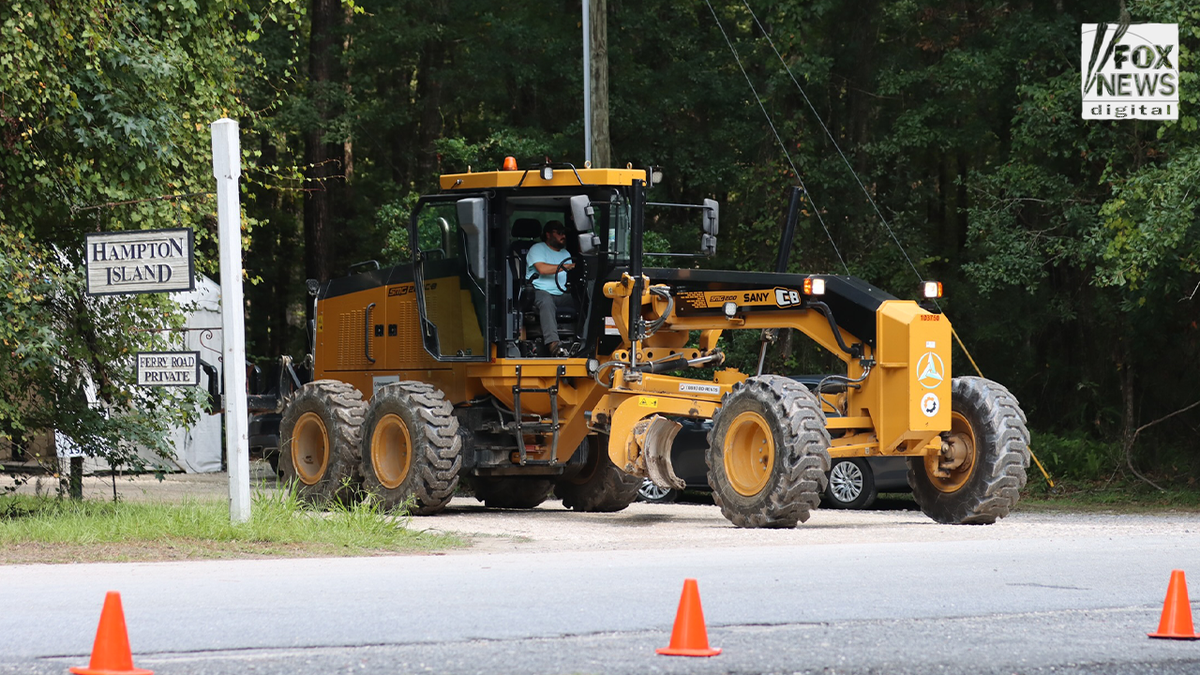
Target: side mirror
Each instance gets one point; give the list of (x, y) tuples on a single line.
[(472, 218), (708, 240), (582, 212)]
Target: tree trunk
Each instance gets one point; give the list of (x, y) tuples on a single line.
[(1125, 377), (322, 159), (429, 98), (601, 144)]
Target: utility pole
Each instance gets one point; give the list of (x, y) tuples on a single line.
[(599, 144), (596, 146), (587, 82)]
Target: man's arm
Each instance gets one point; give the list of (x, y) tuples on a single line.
[(537, 260), (547, 268)]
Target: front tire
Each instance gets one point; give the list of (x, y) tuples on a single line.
[(411, 448), (851, 485), (599, 487), (978, 476), (318, 441), (768, 453)]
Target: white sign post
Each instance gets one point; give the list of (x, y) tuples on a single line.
[(227, 166)]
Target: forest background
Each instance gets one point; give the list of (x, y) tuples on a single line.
[(1069, 249)]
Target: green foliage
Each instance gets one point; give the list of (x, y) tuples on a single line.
[(105, 108), (1068, 247), (1075, 456)]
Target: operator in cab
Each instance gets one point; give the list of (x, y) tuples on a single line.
[(547, 264)]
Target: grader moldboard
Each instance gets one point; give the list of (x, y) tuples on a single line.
[(432, 371)]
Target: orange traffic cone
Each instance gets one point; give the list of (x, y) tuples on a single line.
[(1176, 622), (110, 654), (689, 637)]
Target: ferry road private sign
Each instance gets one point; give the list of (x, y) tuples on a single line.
[(168, 369), (140, 261)]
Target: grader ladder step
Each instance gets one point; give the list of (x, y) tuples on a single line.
[(521, 427)]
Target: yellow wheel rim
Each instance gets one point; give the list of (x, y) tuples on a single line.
[(310, 448), (749, 453), (950, 476), (391, 451)]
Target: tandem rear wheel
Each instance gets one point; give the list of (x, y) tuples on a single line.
[(319, 437), (599, 487), (410, 448)]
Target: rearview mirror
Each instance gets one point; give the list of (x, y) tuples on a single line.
[(582, 212), (708, 240), (472, 218)]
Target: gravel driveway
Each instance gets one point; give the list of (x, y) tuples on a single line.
[(672, 526)]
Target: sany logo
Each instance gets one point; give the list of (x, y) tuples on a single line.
[(1130, 71), (930, 370)]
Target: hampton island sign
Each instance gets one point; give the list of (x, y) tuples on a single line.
[(140, 261), (147, 261)]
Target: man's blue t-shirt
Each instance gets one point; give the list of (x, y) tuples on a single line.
[(542, 253)]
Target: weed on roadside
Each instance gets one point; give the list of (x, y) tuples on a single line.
[(48, 529)]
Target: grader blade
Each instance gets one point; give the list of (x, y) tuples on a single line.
[(656, 436)]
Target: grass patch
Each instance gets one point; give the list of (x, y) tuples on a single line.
[(1120, 495), (48, 529)]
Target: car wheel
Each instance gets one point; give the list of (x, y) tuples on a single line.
[(851, 485), (649, 492)]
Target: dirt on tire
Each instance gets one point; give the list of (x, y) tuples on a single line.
[(796, 426), (600, 487), (426, 469), (322, 461), (1001, 456)]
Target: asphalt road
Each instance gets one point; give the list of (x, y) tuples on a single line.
[(876, 592)]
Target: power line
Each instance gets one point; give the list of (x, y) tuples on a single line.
[(816, 210), (831, 139)]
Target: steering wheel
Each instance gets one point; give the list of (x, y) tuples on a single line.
[(562, 267)]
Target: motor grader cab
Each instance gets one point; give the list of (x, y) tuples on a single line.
[(429, 372)]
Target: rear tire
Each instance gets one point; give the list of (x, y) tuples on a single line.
[(599, 487), (411, 448), (768, 453), (511, 492), (851, 485), (318, 441), (989, 424)]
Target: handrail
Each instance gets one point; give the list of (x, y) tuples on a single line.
[(367, 332)]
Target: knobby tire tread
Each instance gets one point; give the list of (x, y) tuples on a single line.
[(801, 461), (1001, 458), (433, 474), (342, 409), (602, 487)]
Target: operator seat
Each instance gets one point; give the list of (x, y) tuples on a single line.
[(525, 233)]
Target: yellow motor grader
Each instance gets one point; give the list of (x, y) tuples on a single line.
[(431, 372)]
